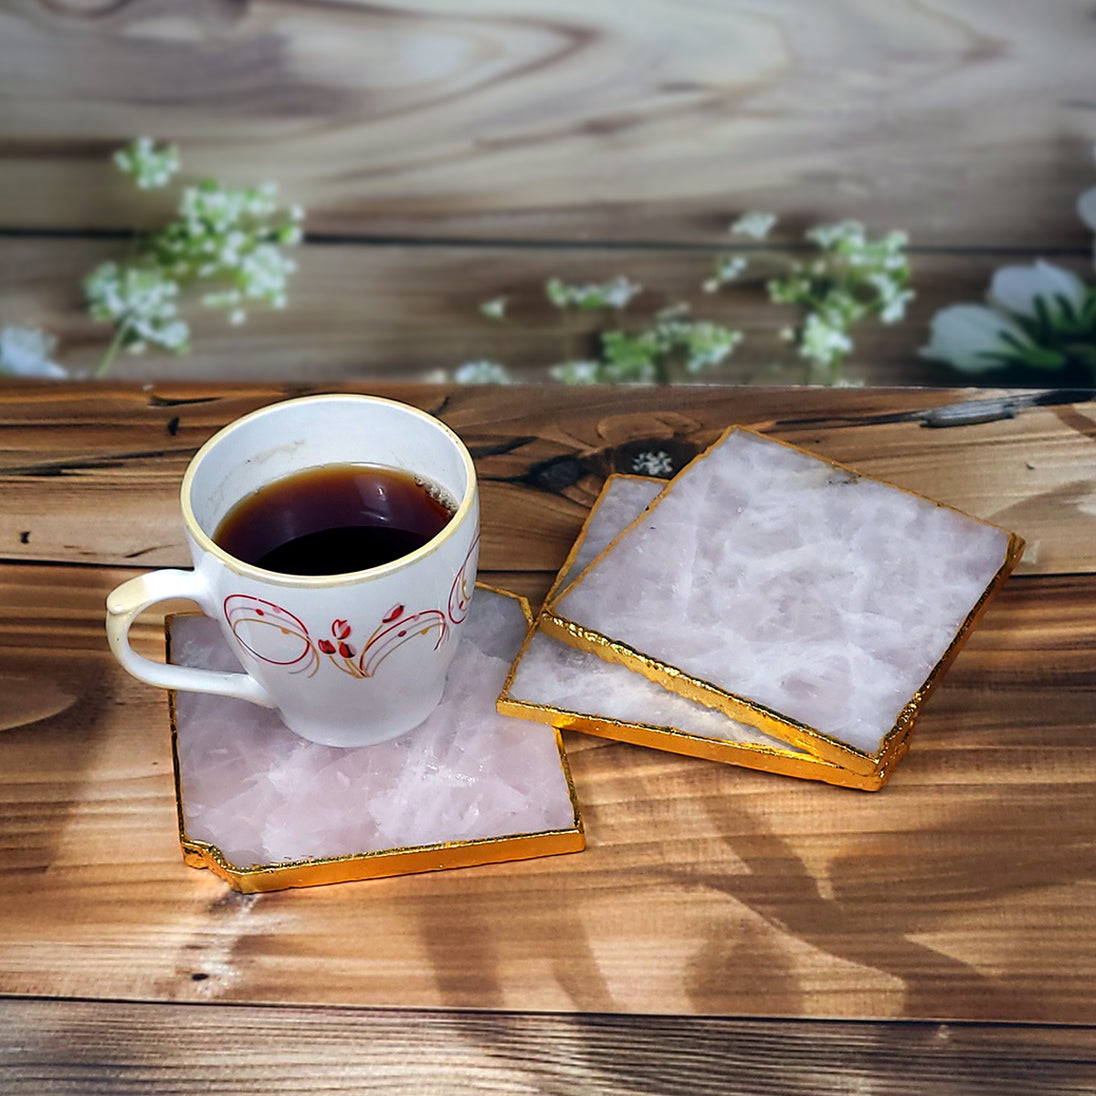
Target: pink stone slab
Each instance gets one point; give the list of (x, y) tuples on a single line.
[(565, 687), (267, 809), (622, 500), (810, 601)]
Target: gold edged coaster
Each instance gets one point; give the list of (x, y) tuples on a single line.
[(565, 835), (573, 700), (560, 620)]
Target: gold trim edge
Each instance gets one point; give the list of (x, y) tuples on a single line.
[(558, 595), (757, 756), (824, 746), (580, 539), (711, 696), (379, 863), (745, 755), (893, 744)]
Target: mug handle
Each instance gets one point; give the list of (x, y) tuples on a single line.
[(128, 601)]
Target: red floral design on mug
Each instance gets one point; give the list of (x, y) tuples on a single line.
[(254, 622), (271, 633), (396, 628)]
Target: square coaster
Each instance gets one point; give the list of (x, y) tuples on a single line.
[(569, 688), (266, 809), (793, 594)]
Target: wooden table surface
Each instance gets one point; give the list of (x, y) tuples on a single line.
[(448, 156), (725, 930)]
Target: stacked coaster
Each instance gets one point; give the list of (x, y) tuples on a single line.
[(766, 608), (265, 809)]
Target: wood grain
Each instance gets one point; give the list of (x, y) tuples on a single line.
[(448, 157), (404, 312), (704, 890), (967, 124), (70, 454), (963, 891), (52, 1048)]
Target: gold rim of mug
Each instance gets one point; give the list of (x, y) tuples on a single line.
[(208, 544)]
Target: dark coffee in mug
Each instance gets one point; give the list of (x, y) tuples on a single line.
[(334, 520)]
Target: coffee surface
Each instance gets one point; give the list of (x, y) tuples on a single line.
[(333, 520)]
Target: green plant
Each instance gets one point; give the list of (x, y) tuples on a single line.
[(1037, 319), (851, 278), (224, 247)]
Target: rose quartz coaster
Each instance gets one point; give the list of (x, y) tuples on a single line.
[(565, 687), (793, 594), (266, 809)]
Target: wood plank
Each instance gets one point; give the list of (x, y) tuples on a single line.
[(970, 124), (367, 311), (56, 1047), (70, 454), (705, 890)]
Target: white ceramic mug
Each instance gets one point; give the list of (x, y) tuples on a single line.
[(347, 659)]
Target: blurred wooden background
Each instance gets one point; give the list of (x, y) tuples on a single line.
[(448, 153)]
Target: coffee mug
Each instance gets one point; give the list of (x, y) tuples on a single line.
[(347, 659)]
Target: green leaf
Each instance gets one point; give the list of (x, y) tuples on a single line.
[(1041, 358), (1084, 353), (1087, 317), (1044, 316), (1066, 309)]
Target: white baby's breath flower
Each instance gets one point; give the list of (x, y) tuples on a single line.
[(174, 335), (755, 225), (703, 343), (25, 352), (620, 291), (140, 301), (494, 309), (653, 463), (148, 164), (894, 309), (895, 242), (225, 240), (893, 298), (577, 372), (482, 372), (851, 278), (848, 234), (727, 269), (615, 294), (821, 342)]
